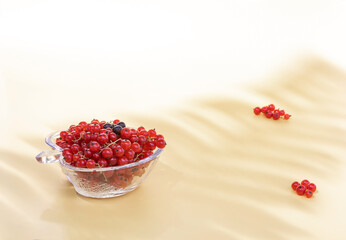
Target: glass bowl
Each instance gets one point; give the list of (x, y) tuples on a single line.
[(100, 182)]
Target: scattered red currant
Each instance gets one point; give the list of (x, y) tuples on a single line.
[(270, 112), (287, 116), (309, 193), (305, 183), (311, 187), (295, 185), (271, 107), (301, 190), (257, 110), (304, 188)]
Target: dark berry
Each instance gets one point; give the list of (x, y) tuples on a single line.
[(117, 129), (107, 125), (121, 124)]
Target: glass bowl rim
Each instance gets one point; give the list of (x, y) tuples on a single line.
[(49, 141)]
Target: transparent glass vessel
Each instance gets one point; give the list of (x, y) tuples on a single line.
[(100, 182)]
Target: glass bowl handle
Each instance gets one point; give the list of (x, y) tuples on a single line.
[(48, 156)]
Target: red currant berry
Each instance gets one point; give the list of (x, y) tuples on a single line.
[(83, 124), (143, 132), (125, 144), (107, 153), (282, 112), (95, 128), (160, 143), (257, 110), (295, 185), (66, 151), (118, 151), (301, 190), (311, 187), (147, 154), (287, 116), (112, 136), (122, 161), (76, 135), (152, 133), (68, 157), (81, 163), (69, 138), (90, 163), (76, 157), (269, 114), (136, 147), (271, 107), (140, 128), (130, 154), (96, 156), (133, 138), (95, 121), (78, 128), (116, 121), (305, 183), (159, 137), (75, 148), (63, 135), (125, 133), (264, 109), (149, 146), (112, 161), (133, 131), (102, 162), (59, 142), (142, 140), (83, 145), (309, 193), (94, 137), (87, 153), (276, 116), (94, 146), (87, 137), (103, 138), (65, 145)]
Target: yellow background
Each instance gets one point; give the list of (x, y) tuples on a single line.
[(193, 70)]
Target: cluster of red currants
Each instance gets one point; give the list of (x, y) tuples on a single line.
[(304, 188), (102, 144), (270, 112)]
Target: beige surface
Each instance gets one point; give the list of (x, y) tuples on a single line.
[(225, 174)]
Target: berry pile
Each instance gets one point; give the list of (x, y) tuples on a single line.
[(106, 144), (270, 112), (304, 188)]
